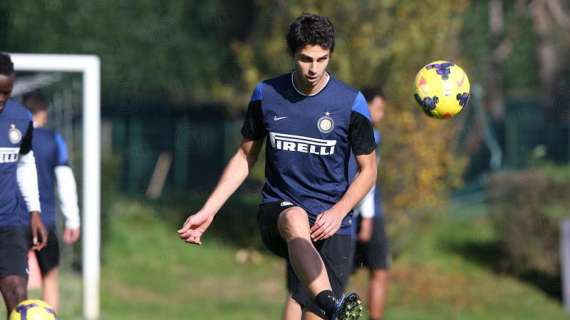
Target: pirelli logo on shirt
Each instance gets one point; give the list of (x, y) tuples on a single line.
[(8, 155), (290, 142)]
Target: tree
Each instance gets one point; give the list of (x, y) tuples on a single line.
[(175, 50)]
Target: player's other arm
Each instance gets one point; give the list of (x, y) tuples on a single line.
[(253, 132), (67, 192), (234, 174), (361, 137), (27, 178), (328, 222), (367, 211)]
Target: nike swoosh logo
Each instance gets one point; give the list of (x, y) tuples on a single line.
[(276, 118)]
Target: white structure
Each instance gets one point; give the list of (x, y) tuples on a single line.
[(90, 67)]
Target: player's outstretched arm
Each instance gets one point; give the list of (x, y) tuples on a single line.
[(233, 176), (328, 222)]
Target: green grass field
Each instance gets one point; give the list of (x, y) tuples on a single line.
[(443, 273)]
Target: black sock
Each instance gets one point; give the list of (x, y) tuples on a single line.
[(327, 302)]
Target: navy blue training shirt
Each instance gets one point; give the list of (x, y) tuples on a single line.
[(15, 138), (50, 152), (309, 140)]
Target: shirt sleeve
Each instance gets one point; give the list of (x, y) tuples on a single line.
[(361, 133), (62, 154), (27, 178), (67, 193), (367, 205), (26, 145), (253, 127)]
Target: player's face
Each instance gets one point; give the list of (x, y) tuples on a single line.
[(40, 118), (376, 109), (6, 86), (311, 64)]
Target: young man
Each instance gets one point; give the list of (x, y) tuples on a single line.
[(18, 182), (53, 170), (372, 244), (311, 122)]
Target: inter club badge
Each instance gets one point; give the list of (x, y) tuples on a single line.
[(14, 134), (325, 124)]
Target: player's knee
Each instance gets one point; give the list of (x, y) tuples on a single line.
[(292, 222), (14, 290), (379, 275)]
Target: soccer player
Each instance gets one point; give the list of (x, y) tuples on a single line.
[(372, 243), (53, 170), (18, 182), (310, 122)]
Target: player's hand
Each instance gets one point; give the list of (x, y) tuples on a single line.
[(39, 232), (70, 236), (326, 225), (366, 227), (193, 228)]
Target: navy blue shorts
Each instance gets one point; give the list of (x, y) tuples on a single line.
[(336, 252), (48, 257), (13, 252), (373, 254)]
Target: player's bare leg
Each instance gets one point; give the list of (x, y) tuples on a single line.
[(294, 227), (51, 289), (377, 292), (14, 291), (293, 310), (308, 315)]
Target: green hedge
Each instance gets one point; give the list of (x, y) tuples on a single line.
[(526, 209)]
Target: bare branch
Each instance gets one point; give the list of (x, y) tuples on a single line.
[(558, 12)]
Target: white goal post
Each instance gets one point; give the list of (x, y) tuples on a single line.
[(90, 67)]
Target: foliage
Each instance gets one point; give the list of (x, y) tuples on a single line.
[(527, 208), (173, 49)]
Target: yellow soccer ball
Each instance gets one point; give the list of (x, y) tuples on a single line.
[(33, 310), (442, 89)]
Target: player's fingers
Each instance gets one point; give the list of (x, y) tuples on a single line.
[(44, 236), (187, 225), (189, 232), (321, 235), (318, 225), (328, 234), (315, 225), (193, 240), (39, 244), (329, 231), (318, 232), (34, 235), (319, 222)]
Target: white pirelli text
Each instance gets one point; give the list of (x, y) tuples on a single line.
[(295, 143), (8, 155)]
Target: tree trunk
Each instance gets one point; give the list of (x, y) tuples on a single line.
[(545, 52), (495, 93)]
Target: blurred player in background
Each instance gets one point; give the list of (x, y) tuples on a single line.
[(372, 243), (310, 122), (18, 183), (54, 176)]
